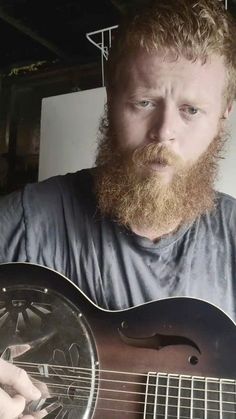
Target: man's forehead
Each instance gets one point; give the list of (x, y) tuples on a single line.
[(152, 73), (150, 68)]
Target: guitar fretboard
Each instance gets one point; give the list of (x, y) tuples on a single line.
[(187, 397)]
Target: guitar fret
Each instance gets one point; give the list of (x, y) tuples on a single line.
[(199, 399), (185, 397), (182, 396), (161, 396), (205, 401), (167, 397), (191, 405), (179, 398), (220, 398), (228, 397), (155, 399), (145, 413), (172, 396), (213, 398), (221, 402)]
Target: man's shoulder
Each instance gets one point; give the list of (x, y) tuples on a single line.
[(225, 201), (72, 189), (79, 180), (224, 215), (67, 185), (221, 219)]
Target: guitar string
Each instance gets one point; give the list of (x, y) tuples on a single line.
[(196, 399), (107, 399), (149, 395), (161, 386), (85, 369), (88, 371), (160, 415), (162, 405), (163, 375), (99, 380)]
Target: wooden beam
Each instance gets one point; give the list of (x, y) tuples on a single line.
[(119, 4), (124, 5), (33, 35)]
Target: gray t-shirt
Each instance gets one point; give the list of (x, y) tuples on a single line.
[(56, 223)]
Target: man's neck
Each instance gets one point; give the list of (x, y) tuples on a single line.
[(153, 234)]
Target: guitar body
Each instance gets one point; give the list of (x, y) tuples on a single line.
[(144, 362)]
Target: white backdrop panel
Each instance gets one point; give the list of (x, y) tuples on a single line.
[(69, 125)]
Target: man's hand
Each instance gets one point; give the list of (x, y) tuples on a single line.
[(17, 379), (17, 390)]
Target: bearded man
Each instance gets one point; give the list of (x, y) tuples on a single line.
[(146, 222)]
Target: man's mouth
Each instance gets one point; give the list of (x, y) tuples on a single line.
[(161, 161), (158, 164)]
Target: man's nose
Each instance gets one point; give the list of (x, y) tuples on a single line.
[(163, 126)]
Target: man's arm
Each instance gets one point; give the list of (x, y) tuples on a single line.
[(12, 229)]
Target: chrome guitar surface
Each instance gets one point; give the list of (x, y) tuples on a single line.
[(60, 339)]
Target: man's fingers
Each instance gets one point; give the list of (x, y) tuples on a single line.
[(42, 387), (11, 375), (10, 407)]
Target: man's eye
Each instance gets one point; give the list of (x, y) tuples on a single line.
[(190, 110), (144, 103)]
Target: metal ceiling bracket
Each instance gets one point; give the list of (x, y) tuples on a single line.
[(102, 39)]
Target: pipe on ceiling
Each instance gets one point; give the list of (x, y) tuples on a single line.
[(33, 35)]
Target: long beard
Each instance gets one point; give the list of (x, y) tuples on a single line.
[(133, 196)]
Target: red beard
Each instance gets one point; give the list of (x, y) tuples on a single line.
[(134, 196)]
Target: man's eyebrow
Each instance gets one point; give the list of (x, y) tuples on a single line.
[(195, 101), (157, 94), (150, 94)]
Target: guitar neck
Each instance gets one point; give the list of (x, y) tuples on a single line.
[(183, 396)]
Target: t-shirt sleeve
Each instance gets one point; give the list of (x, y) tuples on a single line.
[(12, 229)]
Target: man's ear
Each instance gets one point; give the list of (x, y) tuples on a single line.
[(228, 111)]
